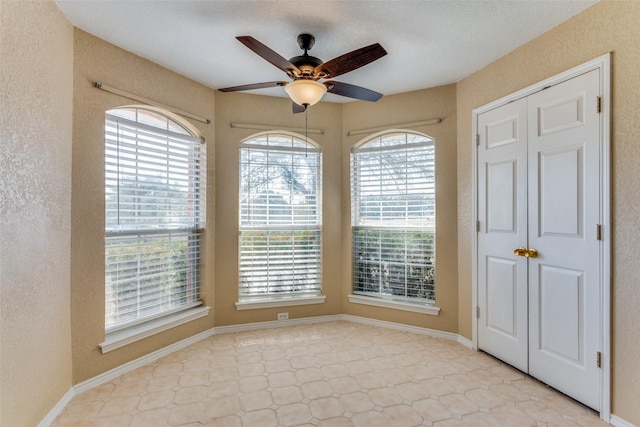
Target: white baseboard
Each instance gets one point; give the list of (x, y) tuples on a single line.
[(276, 324), (401, 327), (152, 357), (619, 422), (465, 341), (57, 409)]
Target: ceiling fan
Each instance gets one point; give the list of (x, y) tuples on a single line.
[(305, 71)]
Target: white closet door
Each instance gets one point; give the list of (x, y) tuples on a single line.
[(564, 213), (502, 215), (539, 190)]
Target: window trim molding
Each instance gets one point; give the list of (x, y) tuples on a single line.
[(119, 335), (417, 307), (270, 300), (131, 334), (426, 306)]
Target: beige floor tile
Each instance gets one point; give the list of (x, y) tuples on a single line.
[(336, 422), (80, 412), (316, 390), (386, 396), (308, 374), (462, 382), (262, 418), (130, 388), (119, 406), (540, 411), (189, 413), (370, 419), (335, 374), (156, 400), (223, 388), (485, 398), (458, 404), (437, 387), (281, 379), (371, 380), (230, 421), (255, 400), (432, 410), (190, 394), (118, 420), (509, 393), (479, 419), (287, 395), (356, 402), (154, 417), (344, 385), (167, 382), (163, 369), (294, 414), (402, 416), (223, 407), (326, 408), (254, 383), (510, 416)]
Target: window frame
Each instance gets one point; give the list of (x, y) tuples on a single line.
[(374, 144), (252, 220), (177, 215)]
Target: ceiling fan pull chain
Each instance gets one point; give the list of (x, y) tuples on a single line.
[(306, 131)]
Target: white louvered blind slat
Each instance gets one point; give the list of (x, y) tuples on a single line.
[(154, 215), (393, 217), (280, 218)]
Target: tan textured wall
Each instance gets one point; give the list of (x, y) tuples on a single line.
[(405, 108), (276, 113), (36, 67), (96, 60), (609, 26)]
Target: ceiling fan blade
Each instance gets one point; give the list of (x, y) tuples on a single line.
[(297, 108), (352, 91), (268, 54), (252, 86), (350, 61)]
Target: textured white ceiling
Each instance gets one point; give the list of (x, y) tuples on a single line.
[(429, 43)]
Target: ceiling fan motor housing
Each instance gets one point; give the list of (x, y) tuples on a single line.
[(307, 65), (306, 41)]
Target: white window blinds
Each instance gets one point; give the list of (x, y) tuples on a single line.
[(154, 213), (280, 218), (393, 217)]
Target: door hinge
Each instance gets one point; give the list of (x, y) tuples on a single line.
[(598, 231), (599, 104), (599, 359), (478, 226), (477, 139), (478, 311)]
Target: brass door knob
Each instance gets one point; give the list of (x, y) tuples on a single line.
[(520, 252), (528, 253)]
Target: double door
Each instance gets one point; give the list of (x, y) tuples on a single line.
[(539, 218)]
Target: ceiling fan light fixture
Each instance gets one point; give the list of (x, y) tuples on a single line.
[(305, 92)]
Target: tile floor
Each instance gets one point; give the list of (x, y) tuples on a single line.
[(327, 374)]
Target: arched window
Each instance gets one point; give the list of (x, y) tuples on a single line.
[(393, 217), (154, 215), (280, 218)]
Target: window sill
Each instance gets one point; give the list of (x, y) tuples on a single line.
[(135, 333), (282, 302), (397, 305)]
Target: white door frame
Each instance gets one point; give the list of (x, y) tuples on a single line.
[(603, 63)]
